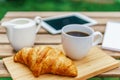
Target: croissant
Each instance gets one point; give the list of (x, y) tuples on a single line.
[(45, 59)]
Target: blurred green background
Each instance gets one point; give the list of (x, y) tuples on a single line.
[(59, 5)]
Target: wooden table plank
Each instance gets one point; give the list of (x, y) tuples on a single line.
[(112, 73), (7, 50), (3, 30), (40, 39), (45, 14), (100, 28), (101, 21)]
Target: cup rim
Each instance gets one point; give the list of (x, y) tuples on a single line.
[(71, 30)]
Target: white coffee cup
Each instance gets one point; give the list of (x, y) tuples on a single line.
[(77, 47), (22, 32)]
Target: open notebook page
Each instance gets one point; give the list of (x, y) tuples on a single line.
[(111, 39)]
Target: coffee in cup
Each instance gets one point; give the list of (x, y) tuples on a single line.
[(77, 33), (77, 40)]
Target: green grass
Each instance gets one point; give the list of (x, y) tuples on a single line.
[(105, 78), (54, 5), (6, 78)]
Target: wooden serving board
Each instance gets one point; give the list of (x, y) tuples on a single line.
[(96, 62)]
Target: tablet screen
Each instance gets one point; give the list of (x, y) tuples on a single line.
[(59, 23)]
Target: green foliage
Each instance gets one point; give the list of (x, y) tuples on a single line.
[(96, 78), (109, 78), (105, 78), (6, 78), (55, 5)]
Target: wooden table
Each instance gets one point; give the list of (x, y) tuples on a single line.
[(43, 37)]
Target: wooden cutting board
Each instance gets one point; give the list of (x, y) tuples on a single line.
[(96, 62)]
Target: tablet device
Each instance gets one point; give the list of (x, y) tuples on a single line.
[(56, 23)]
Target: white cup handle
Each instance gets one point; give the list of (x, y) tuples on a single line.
[(97, 38), (38, 21)]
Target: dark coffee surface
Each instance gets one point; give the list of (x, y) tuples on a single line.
[(78, 34)]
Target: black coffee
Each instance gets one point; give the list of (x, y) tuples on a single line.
[(78, 34)]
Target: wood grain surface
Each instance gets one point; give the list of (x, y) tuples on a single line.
[(96, 62)]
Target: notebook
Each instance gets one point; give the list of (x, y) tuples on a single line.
[(111, 40)]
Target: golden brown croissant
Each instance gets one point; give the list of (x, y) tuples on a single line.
[(45, 59)]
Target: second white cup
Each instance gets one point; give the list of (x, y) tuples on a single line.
[(78, 39)]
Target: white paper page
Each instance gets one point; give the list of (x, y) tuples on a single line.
[(111, 39)]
